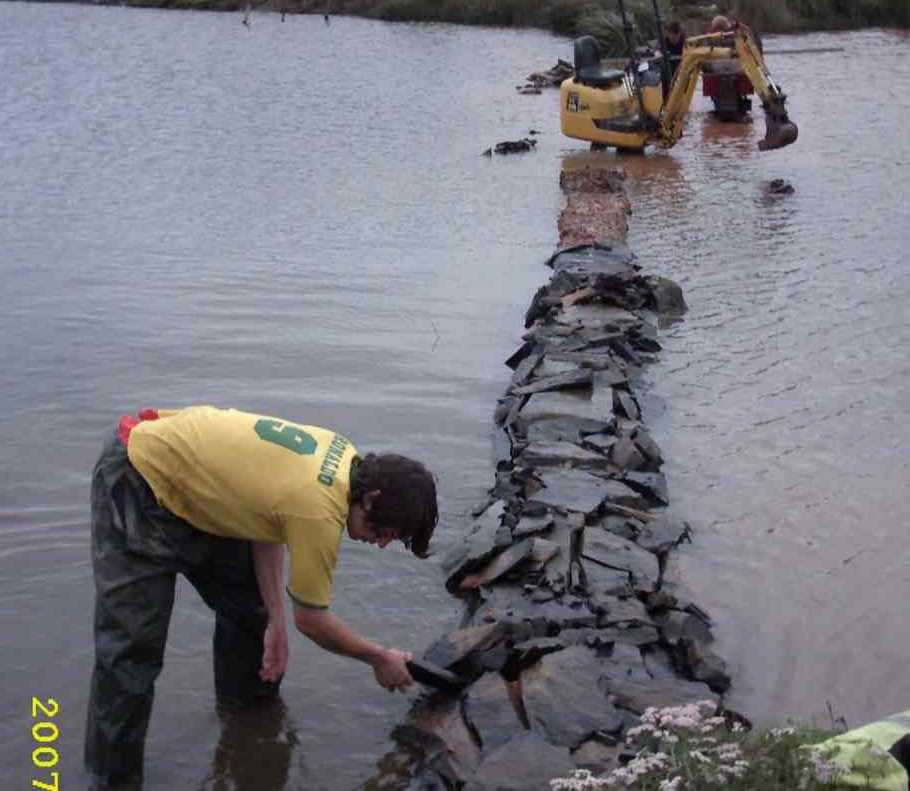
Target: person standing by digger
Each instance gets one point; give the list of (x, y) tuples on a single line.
[(673, 43), (217, 495)]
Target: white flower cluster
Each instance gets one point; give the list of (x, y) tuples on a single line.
[(678, 747)]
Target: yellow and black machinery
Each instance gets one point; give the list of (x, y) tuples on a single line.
[(645, 103)]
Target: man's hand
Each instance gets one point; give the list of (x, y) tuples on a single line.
[(390, 670), (330, 632), (274, 652)]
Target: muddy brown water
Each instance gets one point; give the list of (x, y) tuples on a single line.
[(295, 218)]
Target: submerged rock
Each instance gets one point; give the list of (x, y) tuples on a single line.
[(627, 682), (525, 763), (666, 296), (490, 712)]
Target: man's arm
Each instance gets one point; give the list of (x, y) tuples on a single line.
[(330, 632), (268, 560)]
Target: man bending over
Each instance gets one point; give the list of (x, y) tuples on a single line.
[(217, 495)]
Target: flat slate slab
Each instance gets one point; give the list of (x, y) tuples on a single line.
[(580, 378), (625, 677), (573, 490), (562, 700), (593, 259), (432, 726), (663, 533), (596, 317), (652, 485), (530, 525), (455, 646), (611, 550), (592, 405), (525, 763), (489, 710), (557, 453), (501, 564), (564, 428)]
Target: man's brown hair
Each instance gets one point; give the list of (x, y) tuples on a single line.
[(406, 502)]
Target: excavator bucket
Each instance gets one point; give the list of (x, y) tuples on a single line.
[(780, 131)]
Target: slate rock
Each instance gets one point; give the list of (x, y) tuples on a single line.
[(708, 667), (617, 492), (593, 259), (434, 676), (548, 453), (615, 611), (528, 652), (525, 763), (588, 636), (663, 534), (598, 360), (666, 296), (592, 406), (677, 627), (440, 727), (561, 697), (608, 580), (542, 552), (565, 428), (613, 551), (488, 709), (625, 678), (558, 616), (573, 490), (622, 526), (577, 379), (525, 368), (427, 779), (652, 485), (596, 317), (531, 525), (476, 550), (450, 649), (499, 565), (626, 455), (625, 404), (601, 443), (598, 757), (630, 635)]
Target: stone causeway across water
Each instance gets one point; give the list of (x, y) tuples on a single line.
[(575, 618)]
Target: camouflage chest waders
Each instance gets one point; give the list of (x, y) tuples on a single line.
[(138, 547)]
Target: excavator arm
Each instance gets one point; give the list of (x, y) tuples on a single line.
[(780, 131)]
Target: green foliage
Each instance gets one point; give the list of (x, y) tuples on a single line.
[(601, 17), (792, 15), (686, 748), (604, 21)]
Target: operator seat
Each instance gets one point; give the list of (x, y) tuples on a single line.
[(588, 71)]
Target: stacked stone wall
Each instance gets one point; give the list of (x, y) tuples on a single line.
[(575, 619)]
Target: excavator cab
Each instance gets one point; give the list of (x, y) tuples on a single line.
[(645, 104)]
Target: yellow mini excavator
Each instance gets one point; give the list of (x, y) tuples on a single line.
[(645, 103)]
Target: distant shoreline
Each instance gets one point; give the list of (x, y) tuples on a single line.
[(563, 17)]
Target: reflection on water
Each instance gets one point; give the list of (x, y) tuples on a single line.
[(780, 399), (255, 749), (196, 212)]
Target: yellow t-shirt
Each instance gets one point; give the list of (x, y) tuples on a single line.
[(253, 477)]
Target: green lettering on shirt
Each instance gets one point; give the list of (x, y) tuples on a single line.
[(332, 459), (286, 435)]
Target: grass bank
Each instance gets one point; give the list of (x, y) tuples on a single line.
[(571, 17), (575, 17)]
